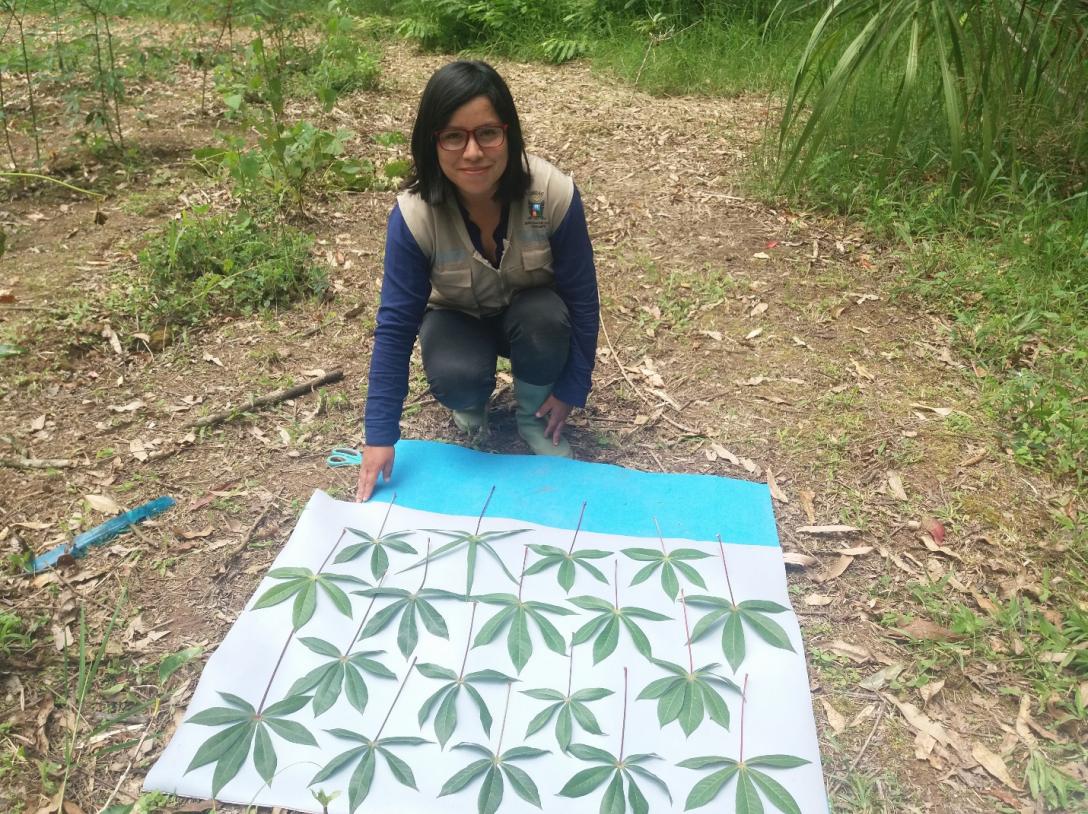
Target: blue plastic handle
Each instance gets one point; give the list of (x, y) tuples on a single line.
[(101, 533)]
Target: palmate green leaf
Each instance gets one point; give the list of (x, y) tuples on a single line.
[(379, 559), (751, 612), (362, 777), (516, 614), (445, 699), (303, 584), (750, 781), (471, 542), (686, 697), (552, 556), (408, 606), (229, 748), (569, 710), (613, 801), (492, 768), (604, 628), (669, 563), (341, 673)]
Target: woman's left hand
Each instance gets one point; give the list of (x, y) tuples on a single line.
[(556, 412)]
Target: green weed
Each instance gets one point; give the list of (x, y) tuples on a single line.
[(203, 265)]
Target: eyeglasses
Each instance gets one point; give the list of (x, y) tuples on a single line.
[(456, 138)]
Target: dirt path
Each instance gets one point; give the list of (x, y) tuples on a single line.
[(739, 341)]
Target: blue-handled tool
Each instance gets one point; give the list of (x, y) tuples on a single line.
[(101, 533), (344, 456)]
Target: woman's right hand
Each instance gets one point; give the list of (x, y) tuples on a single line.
[(375, 460)]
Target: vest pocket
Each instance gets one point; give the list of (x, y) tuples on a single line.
[(536, 268), (452, 288)]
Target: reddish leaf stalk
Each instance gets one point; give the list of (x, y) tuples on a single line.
[(623, 725), (721, 548), (386, 518), (483, 511), (396, 697), (366, 615), (505, 712), (570, 672), (687, 631), (660, 539), (468, 642), (291, 635), (743, 702), (521, 579), (616, 581), (577, 529), (426, 566)]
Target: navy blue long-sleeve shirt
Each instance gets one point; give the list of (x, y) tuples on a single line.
[(406, 287)]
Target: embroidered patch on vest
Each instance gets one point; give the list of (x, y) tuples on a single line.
[(536, 210)]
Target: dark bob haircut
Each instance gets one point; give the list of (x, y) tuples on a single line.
[(450, 87)]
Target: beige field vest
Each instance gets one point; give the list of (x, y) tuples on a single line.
[(461, 277)]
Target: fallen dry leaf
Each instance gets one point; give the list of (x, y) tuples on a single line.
[(102, 503), (817, 600), (724, 454), (753, 334), (38, 423), (834, 571), (213, 359), (193, 535), (927, 630), (799, 559), (862, 371), (758, 309), (895, 486), (806, 497), (776, 491), (835, 718), (131, 407), (928, 691), (855, 653), (761, 256), (827, 530), (933, 527), (943, 412), (856, 551), (881, 677), (33, 525), (930, 732), (994, 765)]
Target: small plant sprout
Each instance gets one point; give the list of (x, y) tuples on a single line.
[(343, 672), (605, 627), (688, 694), (616, 768), (551, 556), (473, 542), (516, 613), (445, 719), (669, 563), (408, 606), (492, 767), (303, 585), (751, 612), (750, 780), (367, 756), (379, 558), (570, 707)]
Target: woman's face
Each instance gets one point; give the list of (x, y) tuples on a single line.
[(475, 171)]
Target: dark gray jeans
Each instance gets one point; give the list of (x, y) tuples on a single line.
[(460, 351)]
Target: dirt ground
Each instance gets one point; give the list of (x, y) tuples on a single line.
[(738, 340)]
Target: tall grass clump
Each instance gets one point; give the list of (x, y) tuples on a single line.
[(961, 128)]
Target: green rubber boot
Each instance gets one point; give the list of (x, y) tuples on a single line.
[(531, 428), (472, 422)]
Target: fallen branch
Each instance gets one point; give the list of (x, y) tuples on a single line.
[(231, 559), (37, 463), (265, 401)]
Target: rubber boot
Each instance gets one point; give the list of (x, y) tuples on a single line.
[(531, 428), (472, 422)]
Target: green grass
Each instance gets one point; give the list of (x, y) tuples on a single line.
[(203, 266)]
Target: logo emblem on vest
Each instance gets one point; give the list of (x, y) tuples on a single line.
[(536, 209)]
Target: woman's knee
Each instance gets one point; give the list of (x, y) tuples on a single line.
[(538, 329)]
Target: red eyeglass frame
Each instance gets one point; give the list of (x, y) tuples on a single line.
[(472, 133)]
